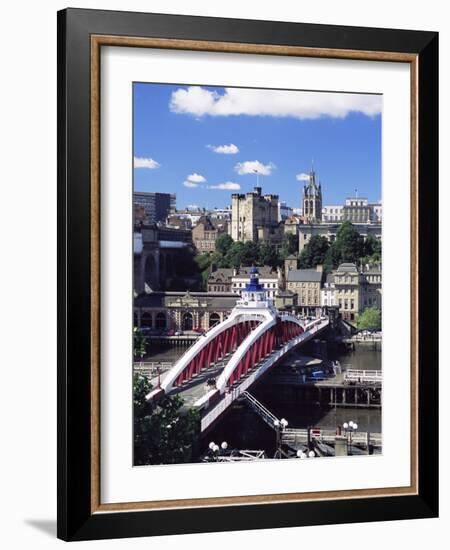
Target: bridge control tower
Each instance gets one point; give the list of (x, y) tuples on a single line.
[(254, 296)]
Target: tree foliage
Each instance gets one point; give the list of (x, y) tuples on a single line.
[(369, 319), (139, 343), (314, 253), (163, 433), (289, 245), (223, 243)]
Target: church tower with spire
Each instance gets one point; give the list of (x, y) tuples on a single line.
[(312, 200)]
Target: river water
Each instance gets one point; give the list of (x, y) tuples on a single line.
[(242, 428)]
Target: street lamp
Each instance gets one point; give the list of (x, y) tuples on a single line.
[(302, 455), (280, 426), (215, 449), (349, 429)]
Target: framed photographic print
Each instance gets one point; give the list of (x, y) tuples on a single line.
[(247, 274)]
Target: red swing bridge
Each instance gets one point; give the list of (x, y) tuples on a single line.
[(228, 359)]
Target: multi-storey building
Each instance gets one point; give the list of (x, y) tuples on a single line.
[(254, 217), (328, 291), (332, 213), (204, 235), (371, 290), (219, 280), (348, 291), (306, 283), (357, 210), (157, 206)]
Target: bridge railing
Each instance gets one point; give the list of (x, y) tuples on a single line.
[(294, 436), (358, 375)]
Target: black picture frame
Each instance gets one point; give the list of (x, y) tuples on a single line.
[(75, 518)]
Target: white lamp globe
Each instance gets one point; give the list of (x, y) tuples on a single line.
[(351, 423), (216, 448), (224, 445), (211, 445), (311, 454), (355, 426), (345, 425), (276, 423)]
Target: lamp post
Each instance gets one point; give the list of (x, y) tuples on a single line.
[(215, 450), (302, 455), (280, 426), (349, 429)]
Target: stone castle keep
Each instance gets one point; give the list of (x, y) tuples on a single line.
[(254, 216)]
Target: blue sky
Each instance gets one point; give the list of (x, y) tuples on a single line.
[(204, 143)]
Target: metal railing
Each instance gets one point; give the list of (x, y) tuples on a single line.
[(269, 418), (357, 375), (295, 436)]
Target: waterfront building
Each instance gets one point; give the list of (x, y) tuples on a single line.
[(219, 280), (348, 291), (182, 311), (312, 200), (254, 217), (371, 286), (157, 206), (306, 283), (328, 291)]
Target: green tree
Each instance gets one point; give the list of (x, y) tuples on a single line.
[(163, 433), (369, 319), (234, 255), (349, 243), (314, 253), (223, 243), (289, 245), (268, 255), (139, 343)]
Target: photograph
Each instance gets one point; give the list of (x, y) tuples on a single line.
[(257, 274)]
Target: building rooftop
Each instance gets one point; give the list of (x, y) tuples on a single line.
[(348, 268), (304, 276), (221, 273), (265, 272)]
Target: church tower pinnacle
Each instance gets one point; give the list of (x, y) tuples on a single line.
[(312, 199)]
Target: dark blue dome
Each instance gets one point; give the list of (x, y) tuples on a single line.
[(253, 284)]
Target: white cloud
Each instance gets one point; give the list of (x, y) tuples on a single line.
[(227, 186), (142, 162), (253, 166), (231, 149), (199, 102), (302, 177), (195, 178)]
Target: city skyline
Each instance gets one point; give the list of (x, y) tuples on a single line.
[(205, 143)]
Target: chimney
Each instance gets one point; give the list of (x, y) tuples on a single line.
[(319, 268)]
